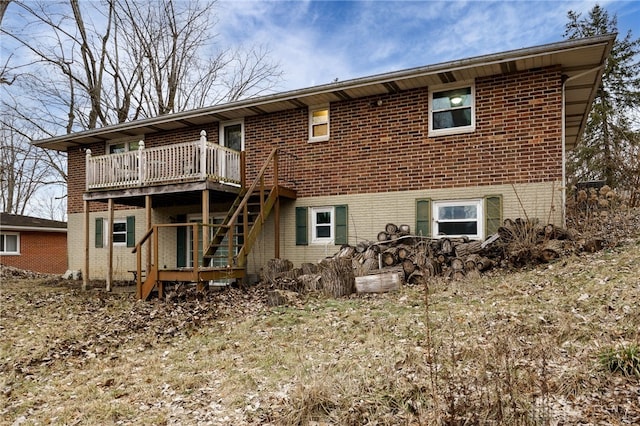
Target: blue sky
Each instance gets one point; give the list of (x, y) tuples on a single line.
[(316, 42)]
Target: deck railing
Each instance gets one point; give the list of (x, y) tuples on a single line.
[(183, 162)]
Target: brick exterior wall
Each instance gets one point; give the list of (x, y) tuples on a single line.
[(518, 139), (379, 159), (44, 252)]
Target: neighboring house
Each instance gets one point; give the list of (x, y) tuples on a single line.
[(33, 244), (452, 148)]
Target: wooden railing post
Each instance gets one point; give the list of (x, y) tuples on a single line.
[(230, 244), (276, 239), (139, 273), (245, 224), (203, 154), (142, 166), (88, 169), (243, 169), (261, 198), (275, 169)]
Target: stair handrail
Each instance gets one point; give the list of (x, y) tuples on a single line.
[(245, 200), (137, 249)]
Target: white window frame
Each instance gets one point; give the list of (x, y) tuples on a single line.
[(476, 202), (452, 130), (3, 249), (313, 211), (127, 142), (224, 124), (312, 124), (113, 233)]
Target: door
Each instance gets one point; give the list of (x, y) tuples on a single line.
[(231, 136)]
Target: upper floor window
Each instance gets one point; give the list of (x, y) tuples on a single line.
[(319, 123), (123, 146), (458, 218), (10, 243), (451, 110)]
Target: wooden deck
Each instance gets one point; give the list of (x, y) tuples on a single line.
[(177, 163)]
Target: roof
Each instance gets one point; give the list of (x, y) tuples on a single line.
[(581, 61), (16, 222)]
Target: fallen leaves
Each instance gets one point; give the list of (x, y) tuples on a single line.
[(531, 338)]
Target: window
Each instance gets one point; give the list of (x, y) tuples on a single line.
[(123, 232), (458, 218), (328, 225), (123, 146), (119, 232), (322, 225), (451, 110), (10, 243), (319, 124)]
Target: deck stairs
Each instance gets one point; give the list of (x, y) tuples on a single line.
[(231, 240)]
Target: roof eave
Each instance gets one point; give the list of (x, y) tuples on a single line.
[(133, 128)]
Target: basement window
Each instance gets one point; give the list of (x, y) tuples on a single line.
[(9, 243), (319, 123), (458, 218), (119, 232), (451, 110), (322, 225)]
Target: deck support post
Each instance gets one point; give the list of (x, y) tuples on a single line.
[(205, 221), (110, 245), (276, 219), (85, 269), (148, 208)]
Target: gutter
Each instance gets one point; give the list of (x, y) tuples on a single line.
[(31, 229)]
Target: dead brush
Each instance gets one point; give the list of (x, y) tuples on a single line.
[(309, 402), (602, 214), (501, 379)]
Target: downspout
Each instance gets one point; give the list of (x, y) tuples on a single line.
[(565, 79)]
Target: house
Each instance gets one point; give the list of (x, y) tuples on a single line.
[(451, 148), (33, 244)]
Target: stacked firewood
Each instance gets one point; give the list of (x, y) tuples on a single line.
[(517, 243), (419, 257)]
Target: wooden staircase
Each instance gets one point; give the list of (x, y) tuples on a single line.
[(238, 232)]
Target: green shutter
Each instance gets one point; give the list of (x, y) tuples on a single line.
[(302, 234), (99, 232), (423, 216), (492, 214), (181, 242), (341, 228), (131, 231)]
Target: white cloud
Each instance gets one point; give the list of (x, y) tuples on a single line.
[(316, 42)]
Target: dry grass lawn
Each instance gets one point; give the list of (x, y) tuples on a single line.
[(557, 344)]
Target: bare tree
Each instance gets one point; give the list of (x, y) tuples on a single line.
[(82, 65), (22, 173), (51, 206), (3, 7), (119, 60)]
